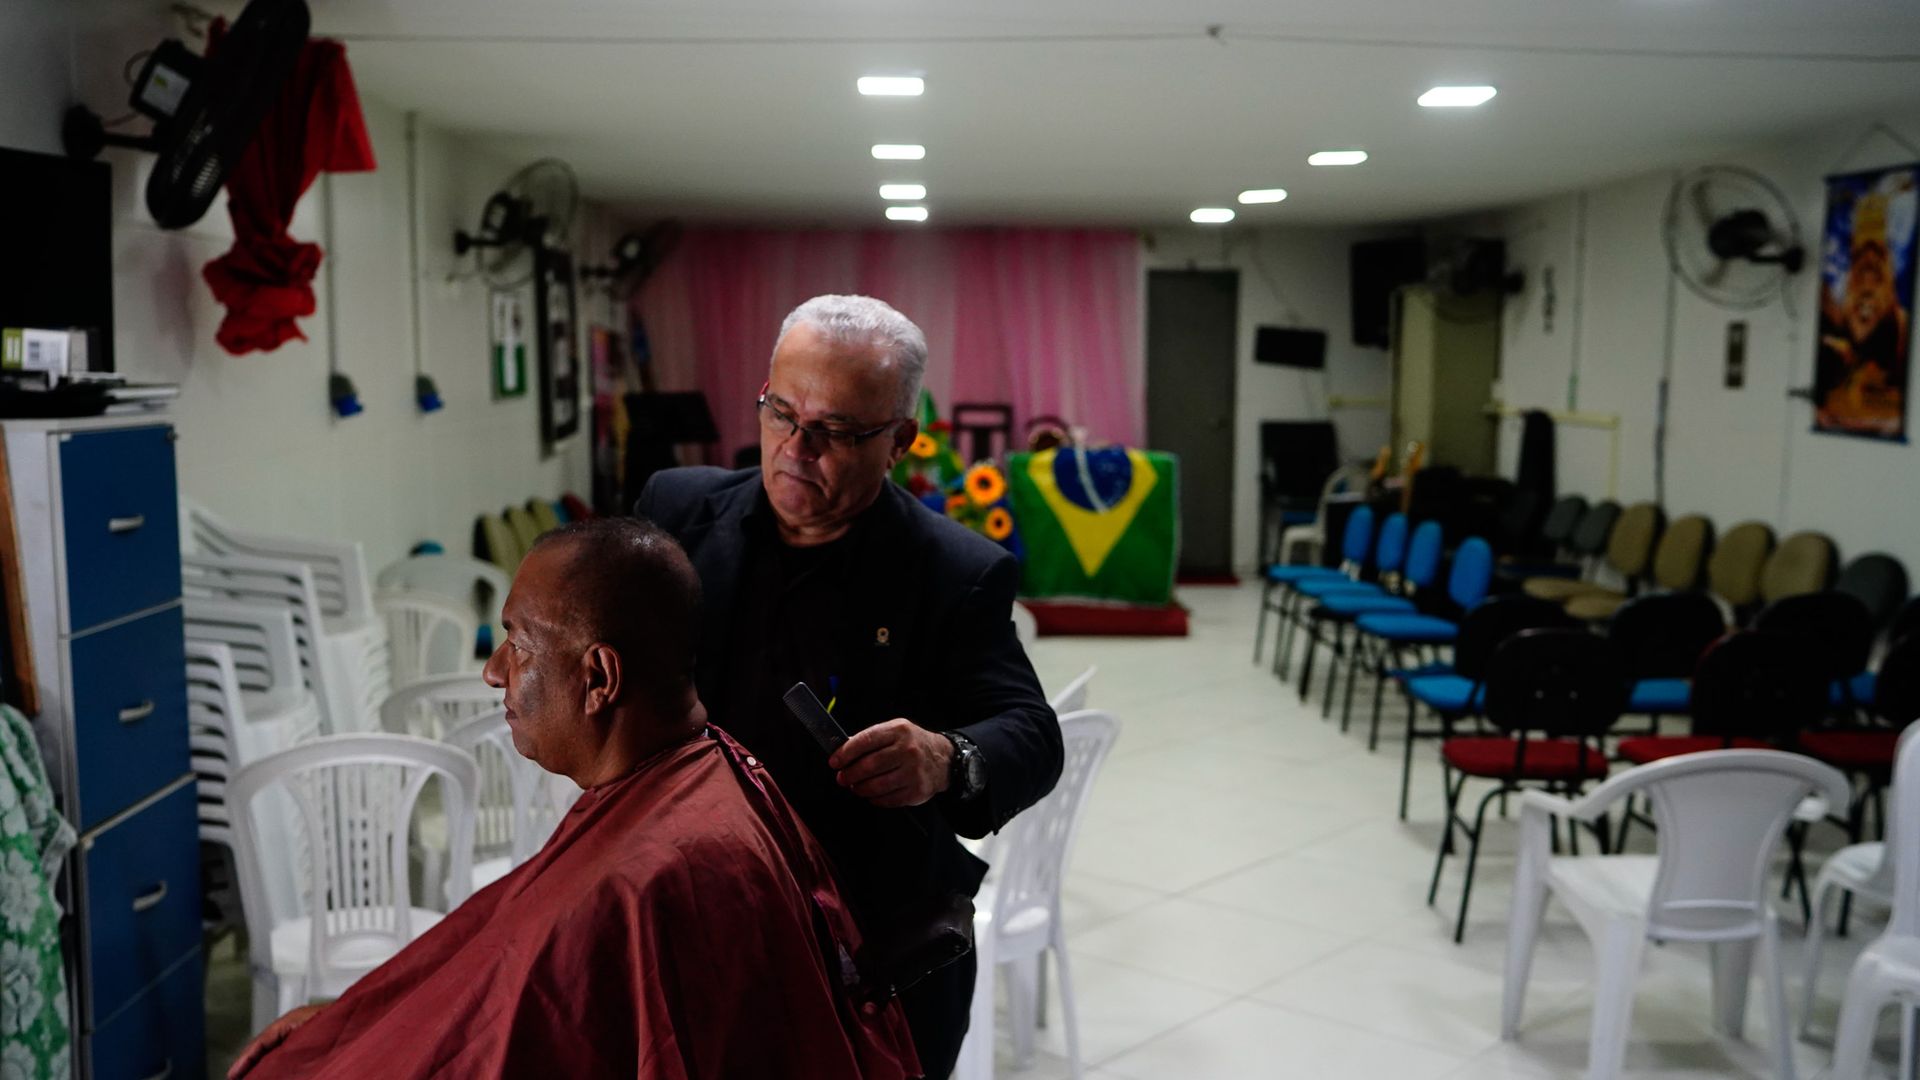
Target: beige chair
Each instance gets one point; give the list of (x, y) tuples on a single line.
[(1629, 553), (1677, 562), (1803, 563), (1733, 573)]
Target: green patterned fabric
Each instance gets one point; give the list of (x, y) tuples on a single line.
[(34, 839)]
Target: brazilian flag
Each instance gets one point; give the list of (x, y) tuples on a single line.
[(1097, 524)]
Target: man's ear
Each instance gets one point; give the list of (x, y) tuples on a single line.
[(603, 677), (903, 437)]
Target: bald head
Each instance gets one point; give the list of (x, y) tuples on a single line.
[(627, 583)]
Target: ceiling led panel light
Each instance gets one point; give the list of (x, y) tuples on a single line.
[(899, 151), (906, 213), (892, 85), (1337, 157), (1457, 97), (904, 192), (1211, 215)]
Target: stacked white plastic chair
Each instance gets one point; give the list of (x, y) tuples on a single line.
[(429, 634), (356, 796), (350, 634), (1887, 972), (278, 693), (437, 704), (1017, 915), (479, 586), (1721, 814), (213, 709), (278, 585), (230, 727), (520, 803)]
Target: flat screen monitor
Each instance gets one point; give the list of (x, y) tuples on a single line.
[(56, 248), (1289, 347)]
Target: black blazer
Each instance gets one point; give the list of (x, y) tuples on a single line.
[(950, 662)]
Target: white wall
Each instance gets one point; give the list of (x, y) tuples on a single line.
[(1732, 454), (259, 443), (1296, 278)]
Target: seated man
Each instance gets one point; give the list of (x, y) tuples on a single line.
[(680, 923)]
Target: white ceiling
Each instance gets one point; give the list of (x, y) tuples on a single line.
[(1123, 111)]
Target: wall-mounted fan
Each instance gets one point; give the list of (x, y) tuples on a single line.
[(636, 255), (533, 209), (1731, 236), (204, 109)]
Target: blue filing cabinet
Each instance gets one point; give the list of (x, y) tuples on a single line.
[(97, 522)]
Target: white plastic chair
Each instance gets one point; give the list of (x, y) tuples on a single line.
[(213, 708), (284, 585), (1864, 870), (1720, 815), (437, 704), (1072, 698), (355, 796), (520, 803), (1887, 972), (1025, 627), (276, 695), (1311, 538), (429, 634), (339, 570), (1017, 916), (481, 585)]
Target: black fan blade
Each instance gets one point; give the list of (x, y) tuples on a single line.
[(239, 83), (1702, 207)]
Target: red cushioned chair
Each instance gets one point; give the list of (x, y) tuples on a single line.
[(1554, 692), (1866, 753), (1752, 691)]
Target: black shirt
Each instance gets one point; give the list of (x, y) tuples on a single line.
[(792, 623)]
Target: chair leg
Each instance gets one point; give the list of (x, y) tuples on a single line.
[(1909, 1032), (1406, 756), (1451, 788), (1816, 938), (1260, 623), (1616, 970), (1020, 1008), (1069, 1013), (1306, 664), (1523, 930), (1732, 972), (1040, 989), (1473, 857), (1354, 663), (1336, 653), (1779, 1023), (1867, 994), (1379, 693)]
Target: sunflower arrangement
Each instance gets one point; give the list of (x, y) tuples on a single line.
[(933, 471)]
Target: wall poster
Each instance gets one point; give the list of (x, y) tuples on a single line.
[(1866, 304)]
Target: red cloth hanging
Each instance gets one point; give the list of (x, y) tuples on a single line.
[(267, 279)]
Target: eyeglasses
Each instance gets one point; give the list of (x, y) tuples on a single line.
[(782, 424)]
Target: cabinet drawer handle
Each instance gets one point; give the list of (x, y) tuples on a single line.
[(166, 1070), (126, 524), (147, 902), (137, 713)]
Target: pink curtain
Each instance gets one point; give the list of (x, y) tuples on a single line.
[(1045, 320)]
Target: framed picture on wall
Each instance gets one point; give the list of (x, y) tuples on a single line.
[(1866, 303), (553, 317)]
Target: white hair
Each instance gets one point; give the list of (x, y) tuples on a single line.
[(862, 321)]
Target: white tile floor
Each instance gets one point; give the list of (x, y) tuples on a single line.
[(1243, 902)]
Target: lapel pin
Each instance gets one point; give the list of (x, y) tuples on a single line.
[(882, 636)]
